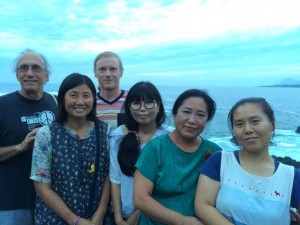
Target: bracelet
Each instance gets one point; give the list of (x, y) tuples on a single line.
[(78, 218)]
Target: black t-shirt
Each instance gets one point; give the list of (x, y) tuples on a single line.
[(18, 116)]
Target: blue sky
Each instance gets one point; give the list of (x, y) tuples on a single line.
[(190, 42)]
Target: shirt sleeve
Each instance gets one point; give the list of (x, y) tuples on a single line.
[(41, 156), (114, 169), (295, 202), (148, 162), (212, 166)]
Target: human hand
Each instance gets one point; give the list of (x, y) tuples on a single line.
[(189, 220), (28, 141), (134, 218), (97, 220), (295, 217), (83, 221), (120, 221), (123, 222)]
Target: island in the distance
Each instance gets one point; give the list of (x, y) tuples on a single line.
[(286, 83)]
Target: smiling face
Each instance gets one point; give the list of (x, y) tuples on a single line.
[(33, 78), (191, 117), (252, 128), (78, 102)]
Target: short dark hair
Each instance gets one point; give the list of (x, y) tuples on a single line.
[(129, 149), (72, 81), (44, 60), (211, 105), (106, 55)]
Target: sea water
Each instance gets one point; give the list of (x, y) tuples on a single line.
[(284, 101)]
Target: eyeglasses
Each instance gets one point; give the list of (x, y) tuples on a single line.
[(34, 68), (137, 105)]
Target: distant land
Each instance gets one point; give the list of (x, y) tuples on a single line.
[(286, 83)]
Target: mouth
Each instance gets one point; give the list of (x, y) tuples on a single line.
[(79, 109), (190, 129), (250, 139), (142, 115)]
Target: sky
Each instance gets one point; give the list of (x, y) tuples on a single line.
[(178, 42)]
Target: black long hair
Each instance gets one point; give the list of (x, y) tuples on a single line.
[(129, 149), (72, 81)]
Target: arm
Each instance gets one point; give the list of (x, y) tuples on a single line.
[(205, 203), (101, 210), (115, 176), (57, 205), (143, 201), (116, 200), (13, 150)]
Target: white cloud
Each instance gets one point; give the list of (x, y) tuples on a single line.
[(152, 23), (121, 24), (79, 29)]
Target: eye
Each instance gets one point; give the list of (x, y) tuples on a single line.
[(238, 124), (255, 121), (201, 115), (73, 95), (149, 101), (113, 69), (24, 67), (135, 103), (101, 69), (36, 68), (87, 95), (186, 111)]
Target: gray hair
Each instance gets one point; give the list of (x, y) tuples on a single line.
[(44, 60)]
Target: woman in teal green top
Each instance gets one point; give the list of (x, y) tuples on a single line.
[(168, 167)]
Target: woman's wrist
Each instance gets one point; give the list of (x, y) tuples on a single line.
[(76, 221)]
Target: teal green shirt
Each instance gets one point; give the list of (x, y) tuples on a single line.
[(173, 172)]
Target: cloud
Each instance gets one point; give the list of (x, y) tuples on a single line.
[(198, 39), (92, 25)]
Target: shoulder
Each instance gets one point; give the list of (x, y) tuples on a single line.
[(8, 97), (120, 131), (215, 157), (161, 139), (210, 144), (50, 97), (159, 144), (103, 126), (212, 166), (44, 132)]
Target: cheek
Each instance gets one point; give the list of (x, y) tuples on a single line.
[(133, 114)]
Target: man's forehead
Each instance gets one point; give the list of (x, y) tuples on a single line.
[(108, 61), (30, 58)]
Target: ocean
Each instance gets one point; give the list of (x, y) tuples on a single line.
[(284, 102)]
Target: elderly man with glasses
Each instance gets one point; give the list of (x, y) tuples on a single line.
[(22, 113)]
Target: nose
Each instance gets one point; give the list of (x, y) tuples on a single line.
[(191, 118), (29, 71), (107, 72), (248, 127), (143, 106), (79, 101)]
